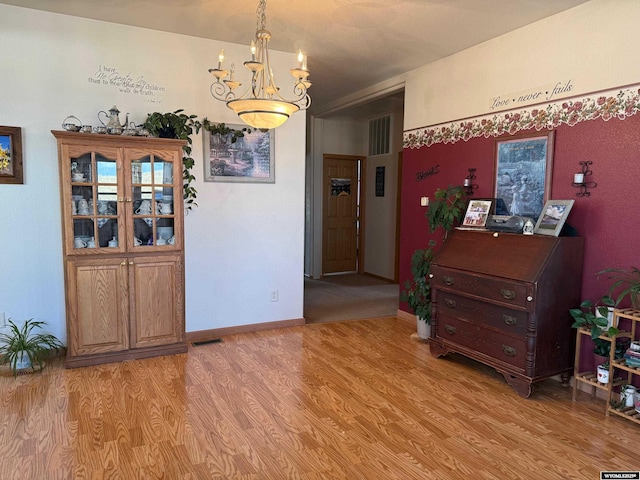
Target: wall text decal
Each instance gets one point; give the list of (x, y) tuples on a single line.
[(606, 105), (423, 175), (536, 95), (107, 76)]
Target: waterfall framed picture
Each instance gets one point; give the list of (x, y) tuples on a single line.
[(11, 155), (523, 168), (249, 158)]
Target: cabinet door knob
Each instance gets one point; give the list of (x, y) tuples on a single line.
[(508, 351), (123, 263), (529, 298), (447, 281), (450, 303), (128, 200), (508, 294), (450, 329), (130, 262), (509, 320), (120, 199)]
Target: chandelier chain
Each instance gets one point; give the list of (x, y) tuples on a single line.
[(262, 15)]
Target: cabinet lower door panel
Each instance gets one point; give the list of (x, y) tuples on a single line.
[(156, 301), (97, 300)]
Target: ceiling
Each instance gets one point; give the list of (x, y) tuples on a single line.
[(351, 44)]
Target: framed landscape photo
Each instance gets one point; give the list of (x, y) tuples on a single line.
[(11, 155), (251, 158), (477, 213), (553, 216), (523, 168)]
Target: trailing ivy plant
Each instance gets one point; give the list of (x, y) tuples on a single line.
[(223, 130), (178, 125)]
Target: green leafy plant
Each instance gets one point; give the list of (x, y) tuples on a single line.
[(417, 292), (223, 130), (446, 209), (22, 341), (178, 125), (628, 280), (602, 348), (585, 317)]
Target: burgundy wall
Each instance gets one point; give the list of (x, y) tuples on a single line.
[(609, 219)]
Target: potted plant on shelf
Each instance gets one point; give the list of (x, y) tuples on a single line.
[(628, 280), (22, 349), (585, 317), (178, 125), (446, 209)]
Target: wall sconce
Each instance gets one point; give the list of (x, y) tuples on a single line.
[(468, 182), (579, 180)]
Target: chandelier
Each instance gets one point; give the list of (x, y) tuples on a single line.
[(261, 106)]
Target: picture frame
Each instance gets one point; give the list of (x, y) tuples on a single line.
[(553, 217), (477, 214), (250, 159), (523, 169), (11, 164)]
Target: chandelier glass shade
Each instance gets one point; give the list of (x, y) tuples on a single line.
[(261, 105)]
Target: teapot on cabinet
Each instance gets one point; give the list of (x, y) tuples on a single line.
[(112, 120)]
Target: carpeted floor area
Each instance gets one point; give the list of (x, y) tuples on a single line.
[(348, 297)]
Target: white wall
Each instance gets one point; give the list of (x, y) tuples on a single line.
[(243, 240), (594, 46)]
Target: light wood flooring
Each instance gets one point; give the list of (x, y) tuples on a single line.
[(343, 400)]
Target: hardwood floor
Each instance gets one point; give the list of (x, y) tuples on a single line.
[(345, 400)]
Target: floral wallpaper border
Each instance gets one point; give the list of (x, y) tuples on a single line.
[(605, 105)]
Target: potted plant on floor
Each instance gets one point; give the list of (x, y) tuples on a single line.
[(445, 211), (417, 292), (628, 280), (21, 348)]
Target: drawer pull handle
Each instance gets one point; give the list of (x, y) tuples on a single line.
[(450, 303), (509, 351), (509, 320), (450, 330), (447, 281), (508, 294)]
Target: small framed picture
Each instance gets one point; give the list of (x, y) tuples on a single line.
[(553, 216), (477, 212), (11, 155)]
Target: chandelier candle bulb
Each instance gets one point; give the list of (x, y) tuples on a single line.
[(220, 59), (253, 50), (300, 59)]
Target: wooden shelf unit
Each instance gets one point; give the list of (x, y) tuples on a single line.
[(619, 372)]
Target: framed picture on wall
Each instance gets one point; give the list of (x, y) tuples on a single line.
[(250, 159), (553, 216), (523, 168), (11, 155)]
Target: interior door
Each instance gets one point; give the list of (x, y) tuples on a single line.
[(340, 222)]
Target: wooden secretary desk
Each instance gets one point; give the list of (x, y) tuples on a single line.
[(503, 299)]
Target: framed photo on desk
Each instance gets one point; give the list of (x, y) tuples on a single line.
[(553, 216)]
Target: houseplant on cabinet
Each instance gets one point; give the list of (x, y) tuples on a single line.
[(22, 349), (178, 125)]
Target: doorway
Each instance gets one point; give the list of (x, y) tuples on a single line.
[(342, 211)]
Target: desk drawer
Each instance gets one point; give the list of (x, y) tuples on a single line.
[(489, 288), (494, 344), (475, 311)]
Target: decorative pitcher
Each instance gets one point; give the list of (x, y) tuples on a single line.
[(112, 118)]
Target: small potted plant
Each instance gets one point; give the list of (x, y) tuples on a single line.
[(585, 317), (446, 209), (22, 349), (628, 280)]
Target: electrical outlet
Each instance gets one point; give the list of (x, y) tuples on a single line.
[(274, 295)]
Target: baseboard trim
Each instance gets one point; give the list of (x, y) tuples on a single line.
[(205, 335), (409, 317)]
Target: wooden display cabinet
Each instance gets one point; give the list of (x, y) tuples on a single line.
[(122, 226)]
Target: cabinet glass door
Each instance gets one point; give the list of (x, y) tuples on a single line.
[(94, 206), (152, 189)]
